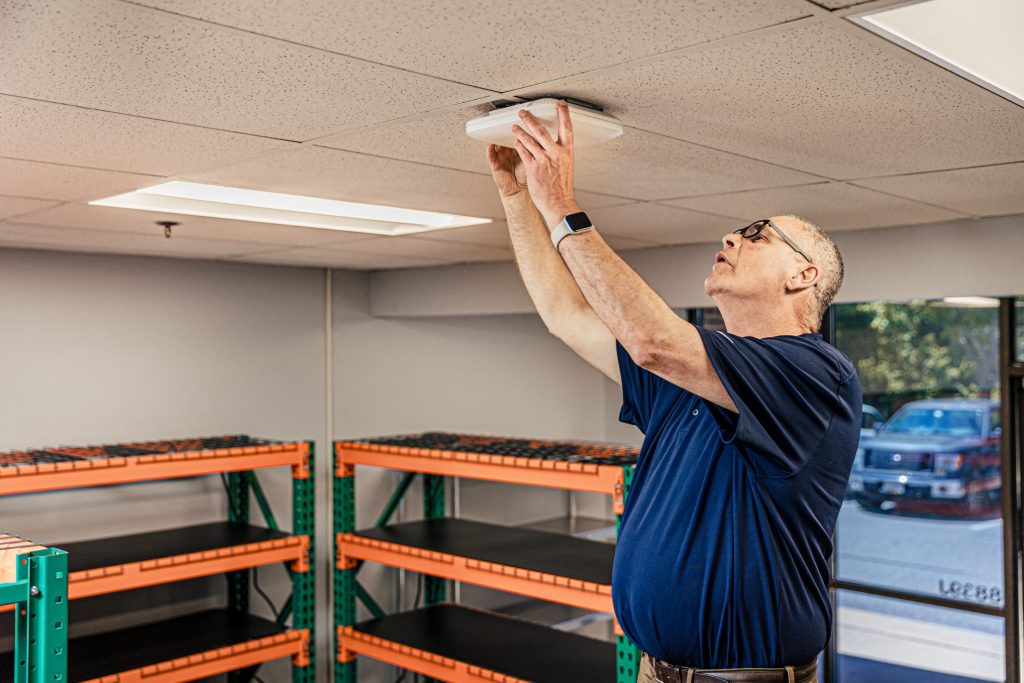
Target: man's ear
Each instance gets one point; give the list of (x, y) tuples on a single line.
[(807, 276)]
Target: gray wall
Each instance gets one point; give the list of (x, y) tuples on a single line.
[(99, 349), (500, 375), (972, 257)]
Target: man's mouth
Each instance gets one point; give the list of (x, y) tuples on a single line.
[(720, 258)]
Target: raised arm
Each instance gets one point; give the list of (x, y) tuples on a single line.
[(551, 286), (654, 336)]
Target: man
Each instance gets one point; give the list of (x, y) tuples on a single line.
[(721, 572)]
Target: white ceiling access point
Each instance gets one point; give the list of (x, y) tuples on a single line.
[(589, 126), (235, 203)]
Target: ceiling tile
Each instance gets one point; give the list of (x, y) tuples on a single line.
[(65, 183), (122, 57), (17, 235), (638, 165), (330, 173), (833, 206), (190, 227), (487, 235), (984, 191), (43, 131), (497, 45), (438, 139), (335, 258), (647, 166), (427, 249), (838, 4), (626, 243), (496, 235), (660, 224), (17, 206), (824, 97)]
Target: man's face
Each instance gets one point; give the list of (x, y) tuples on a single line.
[(757, 267)]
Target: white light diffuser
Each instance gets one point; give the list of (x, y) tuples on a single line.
[(234, 203), (977, 39)]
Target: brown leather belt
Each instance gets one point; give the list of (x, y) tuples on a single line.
[(671, 673)]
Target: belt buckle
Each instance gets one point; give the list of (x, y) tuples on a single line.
[(664, 673)]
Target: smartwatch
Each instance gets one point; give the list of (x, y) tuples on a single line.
[(572, 224)]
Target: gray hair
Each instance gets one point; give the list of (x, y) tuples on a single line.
[(829, 261)]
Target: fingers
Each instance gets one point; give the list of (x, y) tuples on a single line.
[(536, 129), (564, 124), (524, 153), (501, 157), (528, 141)]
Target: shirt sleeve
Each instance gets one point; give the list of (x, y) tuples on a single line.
[(640, 390), (786, 391)]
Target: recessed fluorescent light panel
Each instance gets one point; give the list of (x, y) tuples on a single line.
[(195, 199), (977, 39)]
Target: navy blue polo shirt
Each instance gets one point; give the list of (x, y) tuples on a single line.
[(722, 560)]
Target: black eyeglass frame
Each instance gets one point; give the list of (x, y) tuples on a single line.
[(759, 227)]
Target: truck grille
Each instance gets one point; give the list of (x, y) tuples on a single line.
[(898, 460)]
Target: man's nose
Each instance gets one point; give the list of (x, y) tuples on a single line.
[(730, 240)]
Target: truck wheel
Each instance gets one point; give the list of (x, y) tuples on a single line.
[(869, 504)]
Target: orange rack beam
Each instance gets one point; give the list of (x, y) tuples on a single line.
[(30, 478), (575, 476), (568, 591), (292, 644), (122, 577), (294, 549), (352, 642)]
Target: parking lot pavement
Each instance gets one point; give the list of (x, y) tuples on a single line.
[(956, 559), (951, 558)]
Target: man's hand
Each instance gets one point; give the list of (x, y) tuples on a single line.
[(504, 164), (548, 164)]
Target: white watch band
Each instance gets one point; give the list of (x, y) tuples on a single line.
[(562, 230)]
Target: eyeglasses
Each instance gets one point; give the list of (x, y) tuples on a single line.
[(757, 227)]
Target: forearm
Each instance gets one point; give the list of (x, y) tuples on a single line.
[(548, 281), (629, 308)]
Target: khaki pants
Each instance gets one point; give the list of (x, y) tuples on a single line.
[(646, 673)]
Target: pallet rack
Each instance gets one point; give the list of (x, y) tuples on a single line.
[(197, 645), (456, 643), (34, 581)]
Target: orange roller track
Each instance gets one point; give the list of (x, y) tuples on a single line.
[(352, 642), (30, 477), (574, 592), (575, 476), (294, 644)]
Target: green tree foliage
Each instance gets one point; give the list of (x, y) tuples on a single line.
[(906, 351)]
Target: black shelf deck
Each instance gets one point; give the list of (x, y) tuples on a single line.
[(109, 653), (540, 551), (112, 551), (509, 646)]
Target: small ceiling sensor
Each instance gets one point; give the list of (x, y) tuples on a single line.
[(167, 225), (589, 125)]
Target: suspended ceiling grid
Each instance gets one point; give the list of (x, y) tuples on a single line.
[(732, 111)]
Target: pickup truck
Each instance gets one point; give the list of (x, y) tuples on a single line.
[(937, 456)]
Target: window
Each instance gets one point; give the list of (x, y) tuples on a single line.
[(922, 514)]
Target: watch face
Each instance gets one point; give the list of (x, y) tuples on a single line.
[(577, 221)]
